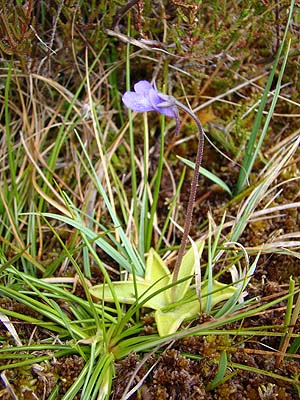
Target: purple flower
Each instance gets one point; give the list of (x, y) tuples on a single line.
[(147, 98)]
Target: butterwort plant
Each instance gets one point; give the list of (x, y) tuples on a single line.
[(172, 296), (145, 98)]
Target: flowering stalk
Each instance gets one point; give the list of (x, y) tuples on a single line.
[(193, 191), (147, 98)]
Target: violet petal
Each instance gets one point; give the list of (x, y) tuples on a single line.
[(142, 87), (137, 102)]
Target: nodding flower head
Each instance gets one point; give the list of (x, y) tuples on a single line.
[(147, 98)]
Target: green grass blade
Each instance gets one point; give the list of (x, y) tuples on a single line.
[(252, 149), (131, 136), (135, 259), (220, 373), (209, 175), (156, 182), (90, 234), (171, 208), (9, 141)]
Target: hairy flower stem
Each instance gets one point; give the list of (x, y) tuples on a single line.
[(190, 206)]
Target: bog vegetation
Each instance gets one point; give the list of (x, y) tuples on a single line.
[(100, 297)]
